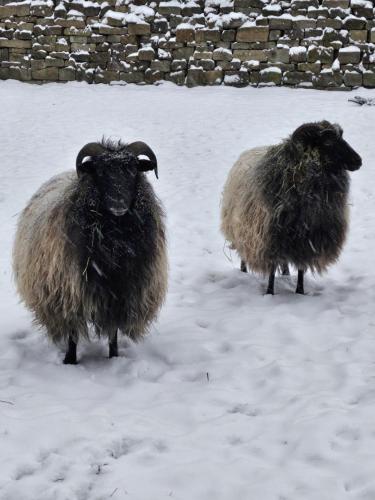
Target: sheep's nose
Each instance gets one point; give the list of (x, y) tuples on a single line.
[(358, 161)]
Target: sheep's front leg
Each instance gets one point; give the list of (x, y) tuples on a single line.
[(243, 266), (113, 346), (71, 353), (300, 288), (271, 281)]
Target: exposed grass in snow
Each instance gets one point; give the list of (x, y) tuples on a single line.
[(234, 395)]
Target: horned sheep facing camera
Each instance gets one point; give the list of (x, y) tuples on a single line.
[(90, 248)]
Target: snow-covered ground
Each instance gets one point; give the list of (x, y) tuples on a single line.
[(233, 395)]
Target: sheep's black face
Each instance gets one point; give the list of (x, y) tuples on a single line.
[(327, 139), (337, 151), (114, 177)]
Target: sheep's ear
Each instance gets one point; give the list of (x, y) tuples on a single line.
[(146, 157)]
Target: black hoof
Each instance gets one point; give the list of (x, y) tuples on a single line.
[(299, 291), (70, 360)]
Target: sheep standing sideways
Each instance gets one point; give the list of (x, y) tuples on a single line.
[(90, 248), (288, 204)]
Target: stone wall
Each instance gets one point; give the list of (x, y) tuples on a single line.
[(309, 43)]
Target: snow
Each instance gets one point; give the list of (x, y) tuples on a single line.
[(351, 49), (75, 13), (361, 3), (233, 395), (185, 26), (271, 69), (295, 51), (336, 65)]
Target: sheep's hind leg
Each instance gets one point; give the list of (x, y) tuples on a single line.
[(271, 281), (285, 270), (243, 266), (300, 287), (113, 346), (71, 353)]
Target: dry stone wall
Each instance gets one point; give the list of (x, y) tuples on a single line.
[(308, 43)]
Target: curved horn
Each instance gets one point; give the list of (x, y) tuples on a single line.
[(90, 149), (140, 148)]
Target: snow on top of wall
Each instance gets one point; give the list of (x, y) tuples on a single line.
[(297, 50), (350, 49), (271, 69)]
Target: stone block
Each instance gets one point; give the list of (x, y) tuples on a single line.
[(214, 77), (296, 77), (41, 9), (302, 24), (178, 65), (352, 79), (4, 73), (310, 67), (67, 74), (298, 54), (106, 76), (195, 77), (177, 77), (134, 77), (270, 75), (369, 79), (228, 35), (358, 35), (146, 54), (15, 44), (19, 73), (222, 55), (330, 4), (236, 78), (248, 55), (14, 10), (279, 55), (353, 23), (152, 77), (252, 34), (50, 74), (139, 29), (335, 24), (280, 23), (161, 66), (168, 8), (326, 79), (207, 35), (351, 54), (183, 53), (322, 54), (185, 34), (304, 4), (206, 64)]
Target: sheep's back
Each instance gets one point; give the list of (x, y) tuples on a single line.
[(244, 215)]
